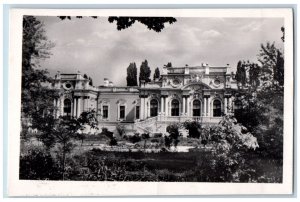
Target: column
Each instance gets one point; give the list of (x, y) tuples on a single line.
[(208, 106), (54, 107), (58, 107), (87, 103), (148, 109), (142, 108), (79, 107), (183, 106), (166, 106), (204, 108), (230, 105), (225, 105), (75, 108), (161, 105), (188, 106)]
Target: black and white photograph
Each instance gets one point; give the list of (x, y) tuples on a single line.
[(113, 97)]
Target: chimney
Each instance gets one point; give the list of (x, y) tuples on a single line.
[(106, 82), (227, 69), (206, 69)]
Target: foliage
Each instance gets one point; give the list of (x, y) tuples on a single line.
[(230, 140), (262, 101), (173, 137), (135, 138), (63, 131), (121, 130), (36, 97), (144, 72), (131, 75), (38, 164), (156, 74), (168, 65), (194, 128), (152, 23)]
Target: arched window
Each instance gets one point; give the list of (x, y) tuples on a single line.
[(196, 108), (67, 107), (217, 108), (175, 108), (153, 107)]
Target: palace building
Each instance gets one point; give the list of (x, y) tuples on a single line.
[(201, 93)]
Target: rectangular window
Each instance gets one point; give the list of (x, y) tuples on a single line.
[(137, 112), (105, 112), (122, 112)]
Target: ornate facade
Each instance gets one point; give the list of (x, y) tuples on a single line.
[(199, 93)]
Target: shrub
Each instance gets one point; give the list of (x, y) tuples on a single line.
[(135, 138), (38, 164), (157, 135), (194, 128)]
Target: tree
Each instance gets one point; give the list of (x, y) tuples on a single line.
[(131, 75), (194, 128), (241, 73), (262, 102), (156, 74), (90, 81), (145, 72), (62, 131), (36, 98), (168, 65), (230, 140), (173, 130), (152, 23)]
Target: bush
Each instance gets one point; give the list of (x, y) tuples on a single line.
[(135, 138), (38, 164), (157, 135), (194, 128)]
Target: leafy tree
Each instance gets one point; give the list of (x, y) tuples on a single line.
[(168, 65), (194, 128), (152, 23), (90, 81), (173, 130), (241, 73), (262, 102), (132, 75), (230, 140), (63, 131), (145, 137), (156, 74), (36, 98), (145, 72)]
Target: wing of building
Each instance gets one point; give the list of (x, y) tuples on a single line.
[(201, 93)]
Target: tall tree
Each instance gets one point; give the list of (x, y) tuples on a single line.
[(36, 98), (241, 73), (131, 75), (145, 72), (156, 74)]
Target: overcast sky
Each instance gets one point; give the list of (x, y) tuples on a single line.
[(97, 48)]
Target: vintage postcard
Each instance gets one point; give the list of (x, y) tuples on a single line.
[(109, 102)]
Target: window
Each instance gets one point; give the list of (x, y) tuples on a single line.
[(122, 112), (217, 108), (67, 107), (137, 112), (196, 108), (105, 112), (175, 108), (153, 107)]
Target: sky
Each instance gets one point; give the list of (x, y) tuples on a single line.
[(95, 47)]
